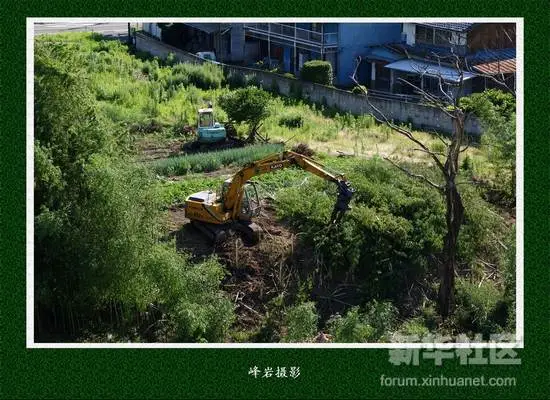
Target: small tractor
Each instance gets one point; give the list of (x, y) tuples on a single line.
[(208, 130)]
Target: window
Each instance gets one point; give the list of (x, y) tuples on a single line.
[(424, 34), (442, 37), (206, 120), (427, 35)]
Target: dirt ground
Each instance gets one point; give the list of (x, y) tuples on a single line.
[(150, 150), (256, 274)]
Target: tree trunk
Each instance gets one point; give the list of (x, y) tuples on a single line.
[(454, 217)]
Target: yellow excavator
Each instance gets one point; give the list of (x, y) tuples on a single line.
[(215, 214)]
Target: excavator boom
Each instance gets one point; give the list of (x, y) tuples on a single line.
[(232, 208)]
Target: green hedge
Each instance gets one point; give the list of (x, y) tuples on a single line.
[(317, 71)]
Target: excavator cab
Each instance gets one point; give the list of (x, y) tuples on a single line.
[(209, 131), (251, 202)]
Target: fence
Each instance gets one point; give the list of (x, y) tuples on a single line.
[(418, 115)]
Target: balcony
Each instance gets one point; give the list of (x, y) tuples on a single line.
[(289, 33)]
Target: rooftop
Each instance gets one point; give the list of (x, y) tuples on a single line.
[(457, 27)]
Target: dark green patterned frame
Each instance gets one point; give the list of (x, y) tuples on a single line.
[(325, 373)]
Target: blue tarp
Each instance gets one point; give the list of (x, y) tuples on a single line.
[(448, 74)]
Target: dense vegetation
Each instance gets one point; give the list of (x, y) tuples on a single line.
[(104, 265), (497, 112), (101, 265)]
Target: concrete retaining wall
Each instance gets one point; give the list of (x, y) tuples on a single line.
[(420, 116)]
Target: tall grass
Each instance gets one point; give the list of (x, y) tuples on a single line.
[(211, 161), (136, 90)]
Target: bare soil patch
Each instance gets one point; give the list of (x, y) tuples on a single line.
[(256, 274)]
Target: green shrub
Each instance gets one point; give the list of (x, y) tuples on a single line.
[(374, 323), (467, 163), (431, 317), (291, 120), (480, 307), (359, 90), (317, 71), (289, 75), (438, 147), (350, 328), (479, 103), (301, 322), (414, 328), (205, 76), (481, 231)]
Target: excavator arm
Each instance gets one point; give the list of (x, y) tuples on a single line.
[(234, 194)]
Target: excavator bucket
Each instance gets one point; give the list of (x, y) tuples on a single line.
[(345, 193)]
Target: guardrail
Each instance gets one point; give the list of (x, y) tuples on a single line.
[(291, 32), (408, 98)]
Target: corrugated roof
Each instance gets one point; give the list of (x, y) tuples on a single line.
[(497, 67), (429, 69), (494, 61), (382, 53), (457, 27), (429, 52), (488, 55)]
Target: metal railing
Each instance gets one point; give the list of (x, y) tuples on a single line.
[(407, 98), (290, 32)]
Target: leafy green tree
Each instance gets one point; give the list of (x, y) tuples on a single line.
[(374, 323), (497, 112), (98, 237), (248, 105)]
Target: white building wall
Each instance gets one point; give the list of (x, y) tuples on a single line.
[(409, 30), (152, 29)]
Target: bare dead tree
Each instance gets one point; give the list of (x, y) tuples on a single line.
[(447, 162)]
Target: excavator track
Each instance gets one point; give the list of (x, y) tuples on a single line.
[(216, 233), (249, 231)]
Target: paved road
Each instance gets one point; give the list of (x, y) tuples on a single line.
[(115, 29)]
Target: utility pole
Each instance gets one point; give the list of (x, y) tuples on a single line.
[(130, 41), (269, 45)]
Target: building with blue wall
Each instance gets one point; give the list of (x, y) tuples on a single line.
[(291, 45), (355, 39)]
